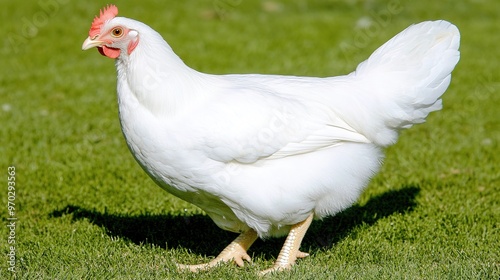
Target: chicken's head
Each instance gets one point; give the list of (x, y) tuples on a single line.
[(110, 35)]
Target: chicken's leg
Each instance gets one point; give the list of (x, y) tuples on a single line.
[(236, 251), (290, 251)]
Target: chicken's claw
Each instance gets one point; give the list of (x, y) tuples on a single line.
[(236, 251)]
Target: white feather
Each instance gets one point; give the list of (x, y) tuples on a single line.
[(265, 151)]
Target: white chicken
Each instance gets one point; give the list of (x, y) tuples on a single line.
[(263, 155)]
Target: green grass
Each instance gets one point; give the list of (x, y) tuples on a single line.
[(87, 211)]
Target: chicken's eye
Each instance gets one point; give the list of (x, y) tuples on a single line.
[(117, 32)]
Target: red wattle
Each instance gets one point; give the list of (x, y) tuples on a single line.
[(109, 52)]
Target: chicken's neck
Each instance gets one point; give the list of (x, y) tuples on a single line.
[(157, 78)]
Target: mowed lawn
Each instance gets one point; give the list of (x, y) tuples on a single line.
[(83, 209)]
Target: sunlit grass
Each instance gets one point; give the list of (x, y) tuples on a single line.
[(86, 210)]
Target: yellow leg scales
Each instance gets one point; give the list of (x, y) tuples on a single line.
[(237, 250)]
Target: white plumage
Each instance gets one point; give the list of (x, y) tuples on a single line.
[(262, 153)]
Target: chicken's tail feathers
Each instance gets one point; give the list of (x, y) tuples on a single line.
[(405, 78)]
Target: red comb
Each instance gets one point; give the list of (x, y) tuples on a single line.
[(107, 13)]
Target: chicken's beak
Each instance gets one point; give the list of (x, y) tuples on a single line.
[(90, 43)]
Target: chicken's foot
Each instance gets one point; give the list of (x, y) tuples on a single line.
[(290, 251), (236, 251)]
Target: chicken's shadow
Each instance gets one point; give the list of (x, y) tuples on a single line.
[(201, 236)]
